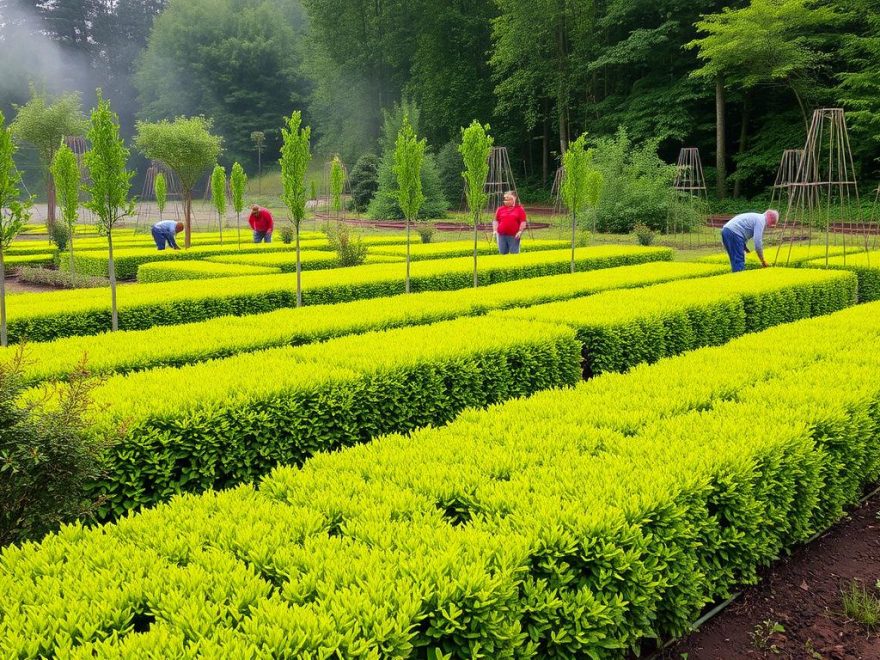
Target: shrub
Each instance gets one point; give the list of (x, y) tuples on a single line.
[(638, 184), (644, 234), (287, 234), (364, 181), (45, 276), (59, 233), (350, 248), (425, 231), (866, 265), (46, 458)]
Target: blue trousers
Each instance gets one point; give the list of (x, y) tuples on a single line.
[(262, 236), (736, 249), (508, 244), (161, 238)]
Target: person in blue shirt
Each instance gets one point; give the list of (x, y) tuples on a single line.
[(739, 229), (165, 231)]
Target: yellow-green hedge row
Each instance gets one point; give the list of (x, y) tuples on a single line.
[(790, 254), (126, 238), (575, 523), (224, 421), (620, 329), (193, 342), (45, 316), (29, 259), (866, 265), (171, 271), (312, 259), (29, 247), (444, 249)]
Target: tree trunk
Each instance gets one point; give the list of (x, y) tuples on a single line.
[(545, 148), (563, 125), (111, 268), (51, 201), (407, 255), (187, 215), (743, 139), (573, 228), (220, 224), (720, 144), (238, 225), (3, 338), (476, 223), (72, 268), (299, 293)]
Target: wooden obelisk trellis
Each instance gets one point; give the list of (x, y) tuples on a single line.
[(147, 210), (556, 192), (689, 211), (786, 175), (824, 198)]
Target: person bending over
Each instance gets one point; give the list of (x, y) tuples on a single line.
[(164, 232), (509, 224), (739, 229), (261, 222)]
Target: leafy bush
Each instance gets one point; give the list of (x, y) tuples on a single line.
[(44, 316), (638, 184), (46, 458), (644, 234), (228, 335), (425, 231), (486, 518), (287, 234), (364, 181), (59, 233), (38, 275), (350, 248)]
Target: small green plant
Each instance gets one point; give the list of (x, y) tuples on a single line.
[(287, 234), (425, 231), (862, 605), (644, 234), (59, 234), (350, 249), (762, 635), (811, 651)]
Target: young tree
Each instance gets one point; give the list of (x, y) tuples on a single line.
[(65, 171), (218, 195), (110, 182), (44, 125), (408, 156), (187, 147), (475, 149), (237, 184), (18, 212), (581, 184), (160, 187), (337, 184), (295, 158)]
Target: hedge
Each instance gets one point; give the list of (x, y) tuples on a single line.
[(785, 255), (312, 259), (622, 328), (223, 422), (447, 249), (481, 537), (145, 239), (169, 271), (220, 337), (865, 265), (31, 259), (29, 247), (45, 316)]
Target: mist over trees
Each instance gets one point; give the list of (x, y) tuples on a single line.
[(540, 72)]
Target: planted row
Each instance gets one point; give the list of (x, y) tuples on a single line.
[(480, 537), (786, 254), (45, 316), (170, 271), (194, 342), (309, 260), (866, 266)]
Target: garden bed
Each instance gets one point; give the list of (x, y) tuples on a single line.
[(796, 611)]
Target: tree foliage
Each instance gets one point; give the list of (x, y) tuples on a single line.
[(160, 188), (295, 158), (475, 149), (364, 181), (337, 184), (65, 172)]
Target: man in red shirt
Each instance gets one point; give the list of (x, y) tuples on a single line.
[(509, 224), (261, 222)]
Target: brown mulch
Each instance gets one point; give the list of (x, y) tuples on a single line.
[(801, 593)]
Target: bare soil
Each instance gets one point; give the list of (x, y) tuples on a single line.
[(803, 595)]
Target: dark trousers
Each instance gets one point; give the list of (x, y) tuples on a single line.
[(736, 249)]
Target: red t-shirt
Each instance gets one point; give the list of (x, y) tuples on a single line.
[(261, 220), (509, 219)]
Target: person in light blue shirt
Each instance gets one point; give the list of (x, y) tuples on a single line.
[(164, 232), (739, 229)]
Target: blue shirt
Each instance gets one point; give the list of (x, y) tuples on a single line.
[(749, 225), (168, 229)]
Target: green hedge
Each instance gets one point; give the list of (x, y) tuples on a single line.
[(29, 259), (446, 249), (45, 316), (785, 255), (220, 337), (309, 260), (170, 271), (865, 265), (622, 328), (576, 523), (223, 422), (126, 239)]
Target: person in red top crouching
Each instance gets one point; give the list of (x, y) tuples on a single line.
[(261, 222), (509, 224)]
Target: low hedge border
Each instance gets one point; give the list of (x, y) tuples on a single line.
[(309, 260), (865, 265), (46, 316), (789, 255), (171, 271), (480, 537)]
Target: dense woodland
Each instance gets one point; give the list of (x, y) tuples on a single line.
[(541, 72)]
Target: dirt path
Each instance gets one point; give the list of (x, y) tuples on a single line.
[(802, 594)]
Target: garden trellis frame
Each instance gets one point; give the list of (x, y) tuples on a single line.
[(499, 180), (325, 195), (824, 197), (147, 201), (690, 198)]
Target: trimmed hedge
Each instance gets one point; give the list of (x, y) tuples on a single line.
[(29, 259), (865, 265), (481, 537), (29, 247), (144, 239), (45, 316), (221, 337), (310, 260), (623, 328), (167, 271), (786, 255), (442, 250), (223, 422)]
